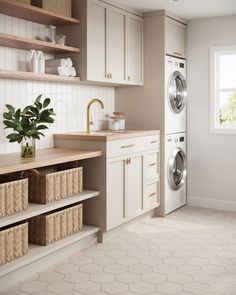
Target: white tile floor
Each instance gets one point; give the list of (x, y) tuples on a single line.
[(190, 252)]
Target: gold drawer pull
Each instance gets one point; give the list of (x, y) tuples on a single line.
[(152, 164), (152, 195), (153, 141), (127, 146)]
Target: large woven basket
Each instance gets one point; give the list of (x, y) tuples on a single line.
[(46, 185), (58, 6), (13, 197), (13, 243), (48, 228)]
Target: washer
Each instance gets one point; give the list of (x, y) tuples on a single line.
[(175, 171), (175, 95)]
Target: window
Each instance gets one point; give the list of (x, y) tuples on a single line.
[(223, 89)]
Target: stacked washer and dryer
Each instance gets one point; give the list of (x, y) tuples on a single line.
[(175, 161)]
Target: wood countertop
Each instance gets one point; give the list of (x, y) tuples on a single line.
[(105, 135), (13, 162)]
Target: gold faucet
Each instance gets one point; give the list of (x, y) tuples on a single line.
[(89, 123)]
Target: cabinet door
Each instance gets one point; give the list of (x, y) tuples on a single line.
[(134, 187), (116, 45), (96, 40), (115, 192), (134, 49), (175, 38)]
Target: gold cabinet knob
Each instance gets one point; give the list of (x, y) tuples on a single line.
[(129, 78)]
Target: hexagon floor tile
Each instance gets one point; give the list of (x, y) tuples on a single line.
[(192, 251)]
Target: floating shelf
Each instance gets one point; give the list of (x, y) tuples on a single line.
[(28, 44), (37, 209), (11, 74), (36, 252), (34, 14)]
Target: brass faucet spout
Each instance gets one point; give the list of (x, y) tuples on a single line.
[(92, 101)]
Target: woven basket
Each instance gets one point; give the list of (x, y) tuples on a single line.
[(48, 228), (13, 243), (46, 186), (58, 6), (13, 197)]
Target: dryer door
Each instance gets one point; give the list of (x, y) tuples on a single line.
[(177, 92), (177, 169)]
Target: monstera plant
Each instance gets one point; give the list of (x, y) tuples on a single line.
[(28, 124)]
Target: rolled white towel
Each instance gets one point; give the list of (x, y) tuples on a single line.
[(62, 71), (69, 63), (56, 62), (72, 72)]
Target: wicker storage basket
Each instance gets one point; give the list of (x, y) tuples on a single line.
[(58, 6), (24, 1), (13, 197), (46, 186), (13, 243), (48, 228)]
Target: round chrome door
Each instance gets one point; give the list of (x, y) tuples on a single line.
[(177, 169), (177, 92)]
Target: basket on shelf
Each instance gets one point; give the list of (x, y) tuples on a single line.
[(47, 185), (13, 197), (13, 243), (51, 227), (58, 6)]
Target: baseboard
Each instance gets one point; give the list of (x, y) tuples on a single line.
[(211, 203)]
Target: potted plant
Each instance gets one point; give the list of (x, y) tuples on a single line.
[(28, 124)]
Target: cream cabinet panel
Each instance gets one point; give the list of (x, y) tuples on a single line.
[(115, 192), (116, 44), (134, 187), (175, 38), (134, 49), (96, 41)]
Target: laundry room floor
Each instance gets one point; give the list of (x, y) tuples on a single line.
[(191, 251)]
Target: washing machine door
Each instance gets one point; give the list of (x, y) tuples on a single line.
[(177, 169), (177, 92)]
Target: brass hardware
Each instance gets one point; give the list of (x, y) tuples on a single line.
[(126, 162), (110, 75), (89, 123), (153, 141), (177, 53), (129, 161), (129, 78), (152, 164), (152, 195), (127, 146)]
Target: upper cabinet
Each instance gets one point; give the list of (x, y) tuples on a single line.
[(175, 37), (111, 42)]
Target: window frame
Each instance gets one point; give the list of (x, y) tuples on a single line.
[(215, 53)]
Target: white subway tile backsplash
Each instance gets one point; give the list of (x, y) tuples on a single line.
[(68, 100)]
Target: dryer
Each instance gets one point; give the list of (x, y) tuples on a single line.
[(175, 171), (175, 95)]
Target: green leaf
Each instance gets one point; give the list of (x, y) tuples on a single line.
[(42, 127), (26, 109), (17, 114), (38, 98), (46, 102), (9, 124), (14, 137), (7, 116), (10, 108)]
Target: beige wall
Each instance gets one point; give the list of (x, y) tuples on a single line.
[(211, 158)]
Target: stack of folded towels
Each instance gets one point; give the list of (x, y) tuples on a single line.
[(62, 67)]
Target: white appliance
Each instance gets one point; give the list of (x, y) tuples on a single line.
[(175, 95), (175, 171)]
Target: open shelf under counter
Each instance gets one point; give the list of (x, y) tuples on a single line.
[(28, 44), (34, 14), (37, 209), (36, 252), (20, 75), (45, 157)]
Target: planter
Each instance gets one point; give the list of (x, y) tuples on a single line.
[(28, 147)]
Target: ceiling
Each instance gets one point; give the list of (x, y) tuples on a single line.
[(188, 9)]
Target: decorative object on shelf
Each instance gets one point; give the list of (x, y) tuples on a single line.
[(62, 67), (58, 6), (34, 62), (52, 31), (51, 227), (121, 118), (61, 39), (41, 63), (14, 243), (28, 124)]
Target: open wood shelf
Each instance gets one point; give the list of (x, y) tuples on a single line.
[(36, 252), (38, 209), (20, 75), (34, 14), (28, 44)]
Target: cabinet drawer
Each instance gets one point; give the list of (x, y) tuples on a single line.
[(151, 166), (152, 142), (152, 195), (125, 146)]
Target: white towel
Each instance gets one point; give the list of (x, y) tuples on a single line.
[(72, 72), (69, 63), (62, 71), (56, 62)]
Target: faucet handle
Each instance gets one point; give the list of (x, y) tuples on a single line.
[(91, 123)]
